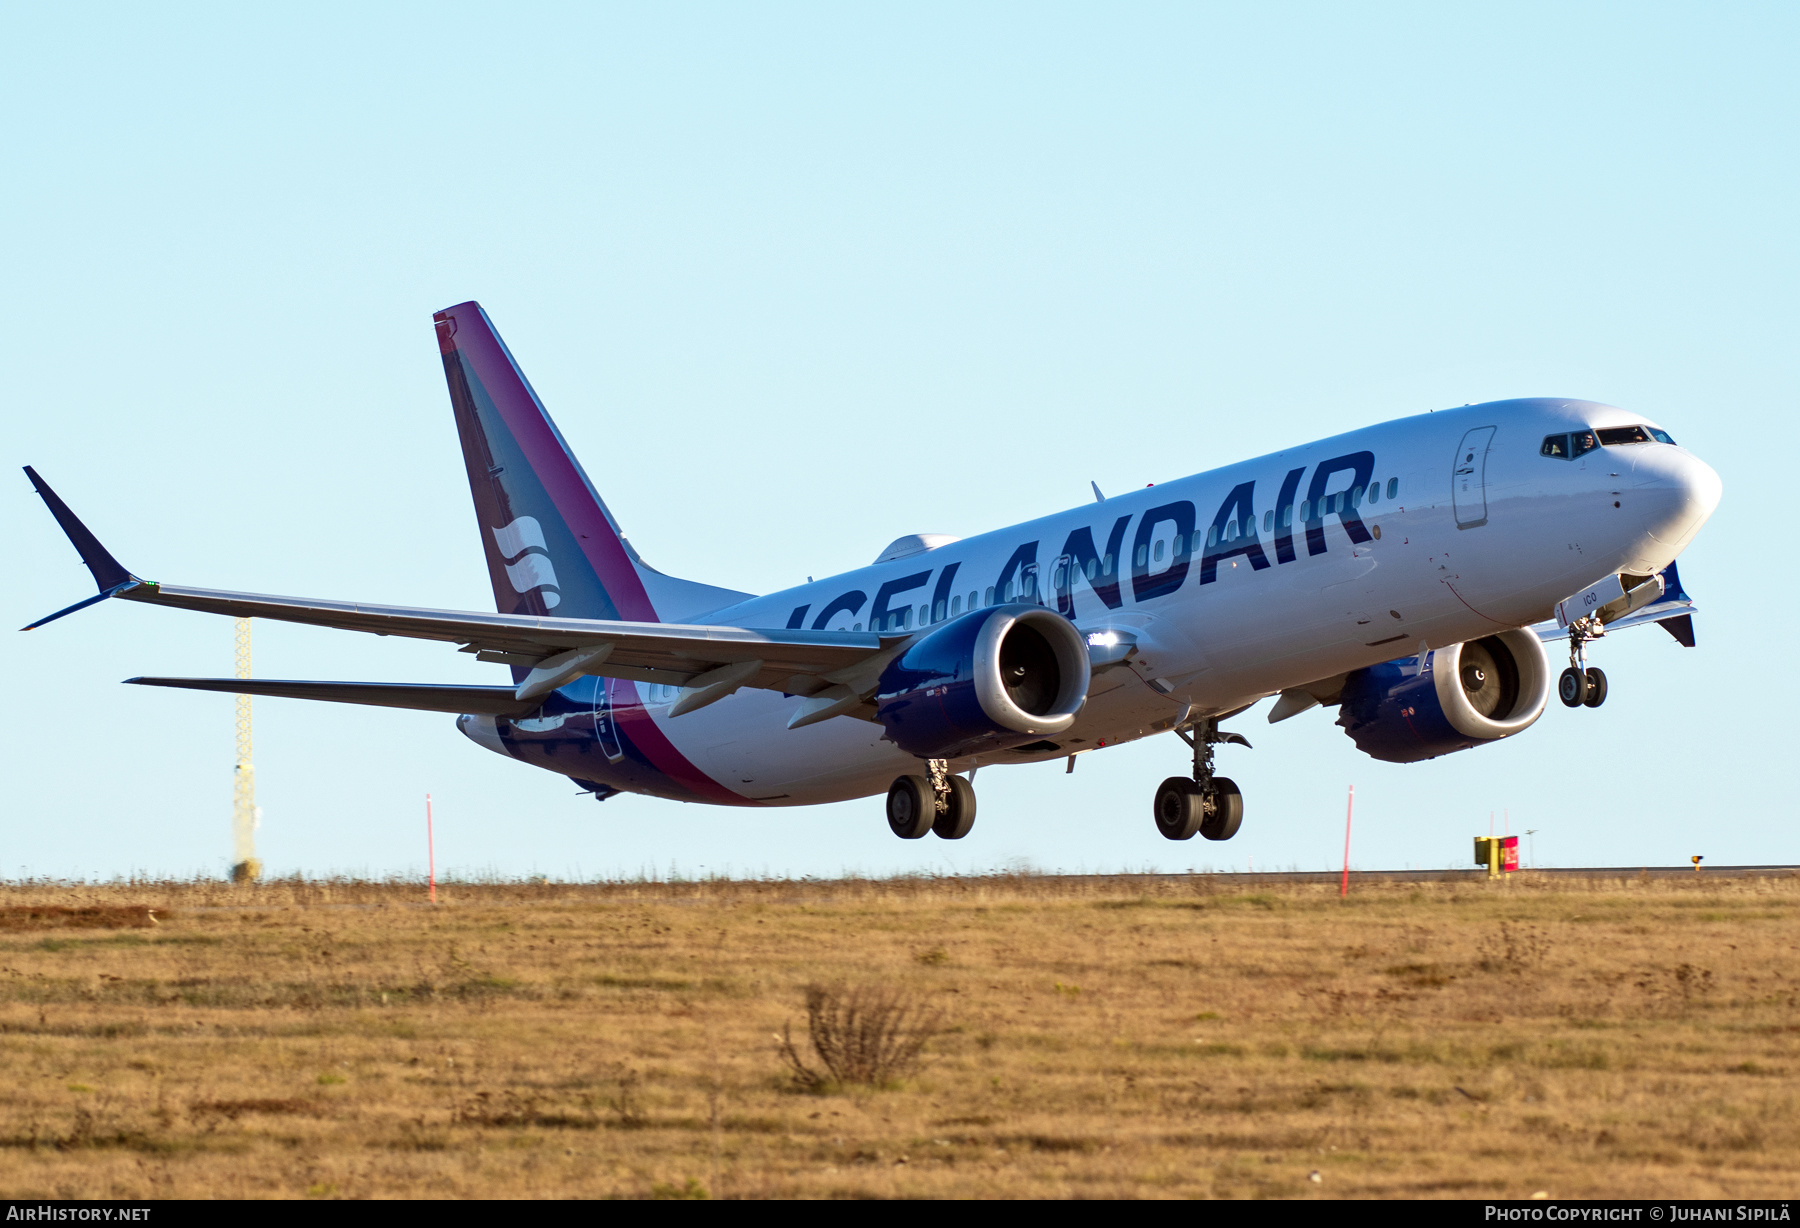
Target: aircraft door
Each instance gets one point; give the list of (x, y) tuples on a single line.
[(606, 730), (1028, 584), (1468, 478), (1062, 582)]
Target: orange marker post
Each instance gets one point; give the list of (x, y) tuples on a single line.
[(1349, 809), (430, 852)]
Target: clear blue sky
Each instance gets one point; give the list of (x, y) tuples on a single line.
[(797, 280)]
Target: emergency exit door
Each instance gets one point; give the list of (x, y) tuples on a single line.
[(606, 729), (1468, 478)]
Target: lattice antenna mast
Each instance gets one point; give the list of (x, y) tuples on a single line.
[(245, 867)]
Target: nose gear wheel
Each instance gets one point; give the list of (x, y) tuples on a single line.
[(1582, 685)]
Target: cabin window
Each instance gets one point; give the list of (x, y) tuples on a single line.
[(1356, 495), (1268, 521), (956, 605), (1180, 543), (1375, 491), (857, 627), (1660, 435), (1338, 501), (1287, 516), (1613, 436), (1143, 555), (1212, 537), (1393, 488), (1306, 509), (937, 614), (1061, 577), (973, 602), (1006, 594), (925, 615), (1106, 565), (1159, 549), (1093, 565), (990, 595)]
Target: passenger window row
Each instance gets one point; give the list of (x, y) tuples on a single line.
[(1342, 501), (1025, 587), (1335, 504)]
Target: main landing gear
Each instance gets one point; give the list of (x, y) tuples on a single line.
[(1582, 685), (1208, 804), (939, 803)]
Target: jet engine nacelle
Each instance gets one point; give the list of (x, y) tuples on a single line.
[(1466, 694), (991, 679)]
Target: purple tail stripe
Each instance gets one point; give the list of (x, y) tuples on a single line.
[(486, 356)]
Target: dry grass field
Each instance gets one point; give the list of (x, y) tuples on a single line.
[(1136, 1037)]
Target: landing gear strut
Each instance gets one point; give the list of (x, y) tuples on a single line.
[(1582, 684), (939, 803), (1208, 804)]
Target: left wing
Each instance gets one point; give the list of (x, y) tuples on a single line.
[(710, 663)]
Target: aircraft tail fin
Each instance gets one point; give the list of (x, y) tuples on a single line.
[(552, 547)]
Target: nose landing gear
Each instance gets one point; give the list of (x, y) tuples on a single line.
[(1206, 804), (1582, 685), (939, 803)]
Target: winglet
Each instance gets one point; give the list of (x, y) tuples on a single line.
[(111, 578), (1681, 626)]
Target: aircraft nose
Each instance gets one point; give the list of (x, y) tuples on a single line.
[(1677, 492)]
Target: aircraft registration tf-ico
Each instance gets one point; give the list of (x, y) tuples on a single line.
[(1408, 574)]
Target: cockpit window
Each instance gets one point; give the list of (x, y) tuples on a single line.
[(1661, 436), (1613, 436), (1568, 447)]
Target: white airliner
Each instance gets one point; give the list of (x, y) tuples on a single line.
[(1408, 574)]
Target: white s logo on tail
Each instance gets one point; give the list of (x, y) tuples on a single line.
[(532, 570)]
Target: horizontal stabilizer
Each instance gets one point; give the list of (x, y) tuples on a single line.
[(480, 700)]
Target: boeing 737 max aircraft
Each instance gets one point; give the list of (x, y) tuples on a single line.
[(1408, 574)]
